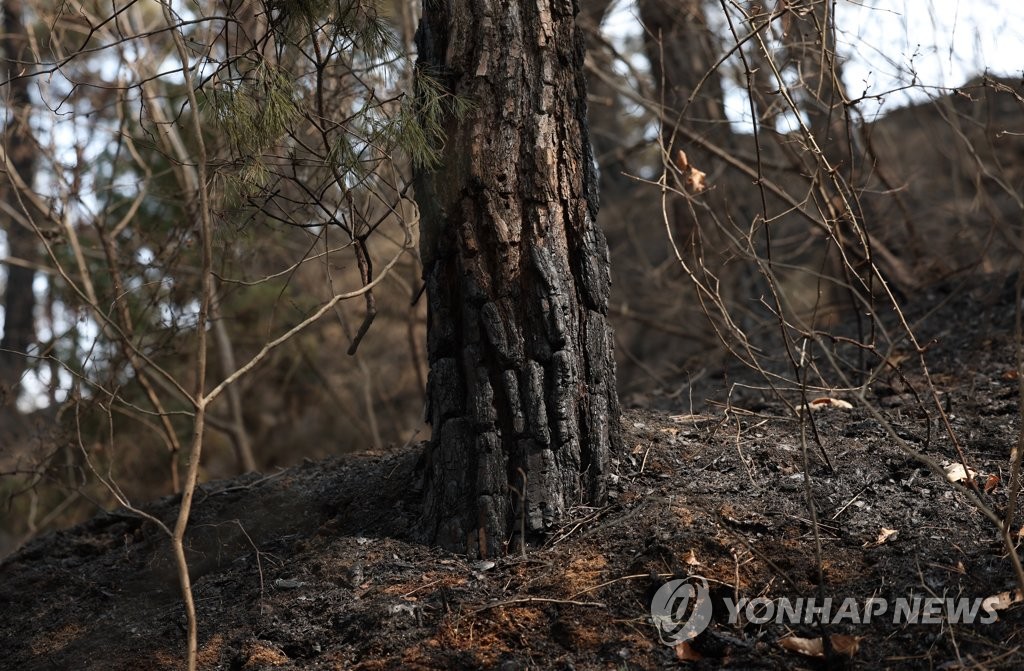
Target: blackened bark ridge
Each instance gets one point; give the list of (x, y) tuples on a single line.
[(522, 377)]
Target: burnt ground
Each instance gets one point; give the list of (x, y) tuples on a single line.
[(313, 567)]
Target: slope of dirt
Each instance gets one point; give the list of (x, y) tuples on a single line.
[(317, 567)]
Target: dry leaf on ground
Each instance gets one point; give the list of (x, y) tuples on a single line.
[(814, 647), (957, 473), (827, 402), (884, 536), (1002, 601), (686, 653)]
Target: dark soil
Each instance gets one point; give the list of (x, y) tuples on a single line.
[(313, 567)]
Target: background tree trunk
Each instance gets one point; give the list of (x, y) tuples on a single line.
[(521, 394), (18, 298), (682, 50), (605, 110)]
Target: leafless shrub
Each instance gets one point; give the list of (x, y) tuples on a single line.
[(816, 217)]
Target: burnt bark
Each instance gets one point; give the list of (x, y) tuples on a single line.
[(521, 393), (18, 298)]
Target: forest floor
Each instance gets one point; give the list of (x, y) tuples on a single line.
[(312, 567)]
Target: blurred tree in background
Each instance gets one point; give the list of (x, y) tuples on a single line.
[(309, 138)]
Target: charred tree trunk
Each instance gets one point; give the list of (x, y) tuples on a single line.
[(521, 393), (19, 299)]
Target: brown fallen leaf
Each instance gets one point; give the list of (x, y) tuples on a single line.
[(883, 536), (827, 402), (695, 179), (991, 483), (815, 647), (1002, 601), (845, 644), (957, 473), (896, 359), (812, 647), (686, 653)]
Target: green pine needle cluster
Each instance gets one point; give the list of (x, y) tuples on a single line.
[(356, 23), (358, 55), (255, 114), (423, 126), (258, 111), (361, 25)]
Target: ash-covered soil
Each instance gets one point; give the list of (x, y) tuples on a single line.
[(314, 567)]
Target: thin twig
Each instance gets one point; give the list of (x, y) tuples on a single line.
[(537, 599)]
